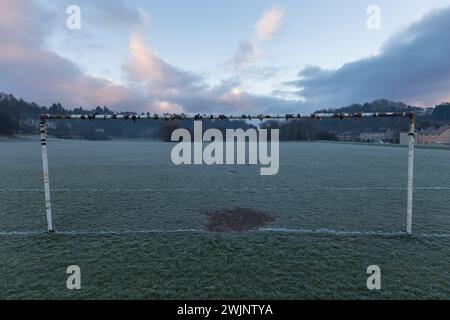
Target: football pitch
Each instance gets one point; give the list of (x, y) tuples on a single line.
[(135, 223)]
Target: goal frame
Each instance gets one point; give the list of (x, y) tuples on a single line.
[(202, 117)]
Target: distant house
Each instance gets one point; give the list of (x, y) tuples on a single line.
[(387, 136), (372, 137), (434, 136)]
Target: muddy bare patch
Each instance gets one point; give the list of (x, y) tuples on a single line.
[(237, 220)]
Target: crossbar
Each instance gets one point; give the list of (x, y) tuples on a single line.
[(182, 116), (200, 117)]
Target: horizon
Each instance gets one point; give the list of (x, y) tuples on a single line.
[(252, 117)]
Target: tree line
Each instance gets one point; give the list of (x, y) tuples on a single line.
[(19, 116)]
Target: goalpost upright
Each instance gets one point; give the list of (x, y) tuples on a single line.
[(200, 117), (411, 143), (48, 204)]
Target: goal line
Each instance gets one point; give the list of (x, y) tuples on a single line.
[(205, 117)]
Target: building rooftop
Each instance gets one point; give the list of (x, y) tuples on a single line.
[(433, 130)]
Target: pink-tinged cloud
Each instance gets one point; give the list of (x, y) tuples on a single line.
[(270, 22), (161, 106), (145, 67), (249, 51)]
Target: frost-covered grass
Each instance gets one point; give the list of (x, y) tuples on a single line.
[(120, 186)]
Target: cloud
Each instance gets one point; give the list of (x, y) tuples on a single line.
[(172, 88), (161, 106), (245, 55), (248, 52), (412, 66), (145, 67), (30, 70), (270, 23), (19, 23), (35, 73), (45, 77), (224, 98)]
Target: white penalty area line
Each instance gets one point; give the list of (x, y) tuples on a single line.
[(323, 231), (221, 189)]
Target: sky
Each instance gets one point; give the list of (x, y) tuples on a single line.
[(252, 56)]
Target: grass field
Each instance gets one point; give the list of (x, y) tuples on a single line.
[(119, 205)]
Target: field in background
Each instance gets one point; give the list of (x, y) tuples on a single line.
[(119, 186)]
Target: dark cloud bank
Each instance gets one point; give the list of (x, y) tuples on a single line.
[(413, 66)]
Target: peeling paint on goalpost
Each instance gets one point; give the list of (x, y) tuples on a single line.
[(200, 117)]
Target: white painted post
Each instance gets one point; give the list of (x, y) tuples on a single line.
[(48, 207), (409, 209)]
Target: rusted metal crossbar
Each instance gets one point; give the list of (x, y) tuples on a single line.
[(182, 116), (201, 117)]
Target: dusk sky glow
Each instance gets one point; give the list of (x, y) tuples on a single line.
[(225, 56)]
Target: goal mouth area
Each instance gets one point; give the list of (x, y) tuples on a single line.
[(201, 117)]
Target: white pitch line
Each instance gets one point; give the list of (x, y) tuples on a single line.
[(322, 231), (130, 232), (100, 232), (221, 189), (334, 232), (20, 233)]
